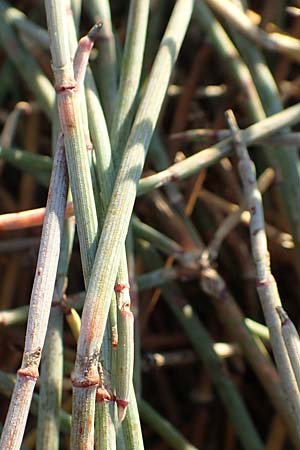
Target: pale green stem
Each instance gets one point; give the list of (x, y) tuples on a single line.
[(165, 429), (130, 76), (292, 342), (68, 99), (106, 175), (266, 285), (258, 329), (202, 159), (285, 160), (231, 58), (17, 18), (115, 227), (209, 156), (40, 304), (26, 65), (52, 359), (271, 41), (106, 63), (203, 345)]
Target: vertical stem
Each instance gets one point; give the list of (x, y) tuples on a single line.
[(52, 359), (115, 227), (40, 304), (266, 285), (291, 340), (26, 65), (107, 71), (68, 99), (201, 341), (130, 76), (284, 159)]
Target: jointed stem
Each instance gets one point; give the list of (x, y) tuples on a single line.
[(40, 304)]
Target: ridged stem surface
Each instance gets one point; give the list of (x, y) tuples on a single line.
[(40, 304)]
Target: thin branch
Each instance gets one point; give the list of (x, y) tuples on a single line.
[(291, 340), (115, 227), (266, 285), (40, 304)]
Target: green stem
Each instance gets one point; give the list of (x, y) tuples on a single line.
[(26, 65)]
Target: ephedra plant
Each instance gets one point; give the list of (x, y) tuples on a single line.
[(102, 75)]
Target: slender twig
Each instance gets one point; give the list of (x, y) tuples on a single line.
[(209, 156), (280, 237), (12, 121), (130, 76), (7, 383), (25, 219), (266, 285), (76, 6), (229, 54), (14, 316), (51, 383), (38, 35), (40, 304), (26, 161), (131, 438), (135, 307), (274, 42), (158, 239), (231, 221), (203, 345), (106, 176), (291, 340), (117, 220), (52, 358), (258, 329), (164, 428), (106, 64), (284, 160), (68, 99), (199, 134), (157, 278), (26, 65)]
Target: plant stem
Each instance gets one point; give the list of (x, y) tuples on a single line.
[(106, 64), (266, 285), (165, 429), (291, 340), (40, 304), (7, 383), (209, 156), (284, 160), (203, 345), (52, 359), (26, 65), (115, 227), (272, 41), (130, 76), (23, 24), (68, 99), (106, 175), (230, 56), (80, 179)]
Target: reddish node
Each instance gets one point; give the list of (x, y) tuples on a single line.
[(120, 287)]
